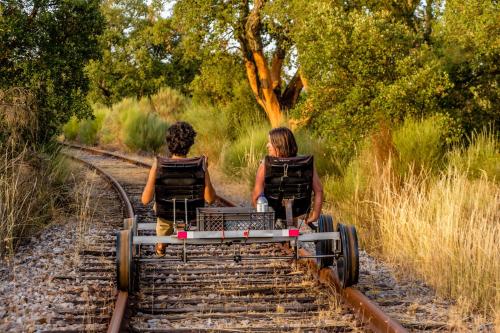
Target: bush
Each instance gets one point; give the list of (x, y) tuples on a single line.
[(89, 129), (324, 160), (70, 129), (169, 104), (144, 131)]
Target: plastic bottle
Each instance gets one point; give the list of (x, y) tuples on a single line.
[(262, 204)]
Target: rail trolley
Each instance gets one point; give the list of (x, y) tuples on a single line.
[(288, 188)]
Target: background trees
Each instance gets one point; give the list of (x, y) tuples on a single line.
[(44, 46), (141, 53)]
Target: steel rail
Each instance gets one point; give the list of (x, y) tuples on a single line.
[(363, 307), (368, 311), (122, 297)]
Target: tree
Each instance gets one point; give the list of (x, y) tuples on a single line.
[(468, 44), (367, 64), (44, 46), (244, 28), (140, 53)]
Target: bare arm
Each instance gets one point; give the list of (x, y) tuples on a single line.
[(210, 194), (259, 184), (149, 190), (318, 198)]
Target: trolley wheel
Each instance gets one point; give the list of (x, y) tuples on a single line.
[(325, 247), (344, 260), (354, 253), (124, 260)]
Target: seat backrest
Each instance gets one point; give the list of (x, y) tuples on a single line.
[(180, 183), (289, 178)]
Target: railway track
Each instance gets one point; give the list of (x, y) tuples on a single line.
[(213, 294)]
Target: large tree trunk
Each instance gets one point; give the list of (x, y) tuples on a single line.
[(265, 82)]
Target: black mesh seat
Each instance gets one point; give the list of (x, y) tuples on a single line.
[(290, 179), (180, 183)]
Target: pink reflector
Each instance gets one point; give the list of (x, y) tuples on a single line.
[(182, 234), (293, 233)]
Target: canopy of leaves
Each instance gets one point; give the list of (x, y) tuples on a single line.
[(140, 53), (44, 46)]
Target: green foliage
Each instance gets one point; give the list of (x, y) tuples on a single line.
[(45, 45), (211, 126), (140, 53), (222, 82), (324, 160), (89, 128), (467, 41), (144, 131), (422, 144), (70, 129), (480, 157)]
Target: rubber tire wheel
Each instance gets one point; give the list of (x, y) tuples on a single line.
[(354, 253), (123, 260), (344, 261), (324, 247)]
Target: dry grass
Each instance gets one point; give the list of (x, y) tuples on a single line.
[(84, 207), (440, 226), (447, 232)]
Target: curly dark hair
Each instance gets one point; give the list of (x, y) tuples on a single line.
[(180, 137)]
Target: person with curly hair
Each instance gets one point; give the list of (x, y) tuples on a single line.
[(180, 137)]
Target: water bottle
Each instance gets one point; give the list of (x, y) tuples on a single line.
[(262, 204)]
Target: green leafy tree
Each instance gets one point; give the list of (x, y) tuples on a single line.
[(469, 45), (140, 53), (363, 66), (245, 29), (44, 46)]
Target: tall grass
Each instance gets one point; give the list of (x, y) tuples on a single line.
[(445, 231), (480, 158), (442, 226), (242, 158), (31, 187)]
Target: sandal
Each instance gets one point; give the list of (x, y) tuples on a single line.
[(160, 250)]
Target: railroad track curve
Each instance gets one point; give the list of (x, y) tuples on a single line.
[(216, 295)]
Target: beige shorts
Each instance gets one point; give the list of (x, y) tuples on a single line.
[(164, 227)]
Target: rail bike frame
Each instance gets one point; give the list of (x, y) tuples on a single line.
[(337, 248)]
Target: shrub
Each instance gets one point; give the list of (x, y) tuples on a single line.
[(70, 129), (168, 103), (144, 131), (89, 129), (324, 160)]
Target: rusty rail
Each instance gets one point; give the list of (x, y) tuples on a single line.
[(367, 310), (363, 307)]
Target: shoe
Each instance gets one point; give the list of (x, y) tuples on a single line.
[(160, 250)]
